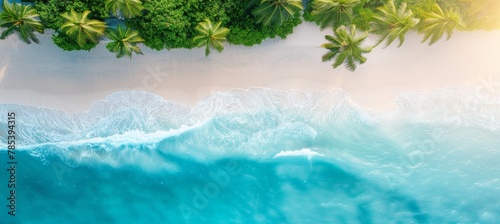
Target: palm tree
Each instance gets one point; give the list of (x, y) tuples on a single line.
[(129, 8), (210, 36), (124, 42), (482, 13), (391, 23), (81, 28), (275, 12), (437, 22), (21, 18), (346, 47), (332, 12)]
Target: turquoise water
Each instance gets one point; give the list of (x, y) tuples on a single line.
[(258, 156)]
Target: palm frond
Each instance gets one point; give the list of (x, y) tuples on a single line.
[(275, 12), (20, 18), (392, 23), (333, 12), (438, 22), (346, 47), (210, 36), (83, 29), (124, 42), (129, 8)]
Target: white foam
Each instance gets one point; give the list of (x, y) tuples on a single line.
[(306, 152)]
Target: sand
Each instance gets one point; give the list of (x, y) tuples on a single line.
[(45, 76)]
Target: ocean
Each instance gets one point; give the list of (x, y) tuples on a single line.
[(256, 156)]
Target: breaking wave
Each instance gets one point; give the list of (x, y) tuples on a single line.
[(418, 160)]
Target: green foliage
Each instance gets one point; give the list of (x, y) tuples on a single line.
[(69, 44), (438, 22), (129, 8), (244, 29), (81, 28), (167, 24), (124, 42), (479, 14), (249, 34), (210, 36), (418, 7), (275, 12), (50, 10), (361, 14), (372, 4), (20, 18), (163, 25), (346, 47), (393, 22), (333, 12), (475, 14)]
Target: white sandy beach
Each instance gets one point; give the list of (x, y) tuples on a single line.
[(45, 76)]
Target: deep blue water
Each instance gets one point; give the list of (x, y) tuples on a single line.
[(258, 156)]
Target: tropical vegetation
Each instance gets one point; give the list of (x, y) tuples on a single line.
[(480, 14), (211, 36), (438, 22), (346, 46), (124, 41), (81, 28), (129, 8), (392, 22), (275, 12), (21, 19), (168, 24), (333, 12)]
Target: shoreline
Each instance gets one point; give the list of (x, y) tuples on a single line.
[(45, 76)]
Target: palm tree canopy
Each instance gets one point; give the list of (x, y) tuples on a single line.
[(124, 42), (77, 25), (275, 12), (210, 36), (393, 23), (439, 21), (482, 13), (129, 8), (21, 18), (346, 47), (332, 12)]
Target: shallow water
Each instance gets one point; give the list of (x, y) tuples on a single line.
[(259, 156)]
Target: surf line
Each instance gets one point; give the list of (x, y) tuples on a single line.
[(11, 163)]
